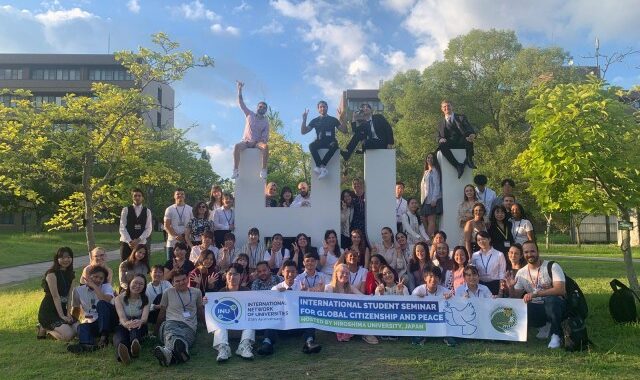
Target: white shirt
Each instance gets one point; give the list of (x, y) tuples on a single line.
[(519, 230), (179, 216), (423, 292), (530, 279), (283, 285), (153, 291), (300, 201), (401, 208), (124, 234), (279, 258), (223, 218), (85, 297), (358, 277), (411, 227), (486, 197), (196, 251), (491, 265), (312, 281), (332, 259), (463, 291)]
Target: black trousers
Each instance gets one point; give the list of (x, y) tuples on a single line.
[(315, 146), (446, 147)]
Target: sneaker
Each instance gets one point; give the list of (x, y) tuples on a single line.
[(311, 347), (224, 352), (370, 339), (245, 350), (555, 341), (317, 170), (163, 355), (263, 173), (235, 174), (181, 351), (323, 173), (449, 341), (543, 332), (265, 349), (135, 348), (123, 354)]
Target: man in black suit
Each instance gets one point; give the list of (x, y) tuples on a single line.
[(373, 130), (455, 132)]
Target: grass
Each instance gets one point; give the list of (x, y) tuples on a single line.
[(26, 248), (614, 356)]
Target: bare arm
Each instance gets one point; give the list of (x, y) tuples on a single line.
[(468, 229), (243, 106)]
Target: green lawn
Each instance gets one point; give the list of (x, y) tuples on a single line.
[(26, 248), (614, 356)]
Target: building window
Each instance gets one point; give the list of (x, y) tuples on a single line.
[(39, 100), (7, 218), (160, 95), (10, 74), (158, 119), (55, 74), (6, 100), (109, 74)]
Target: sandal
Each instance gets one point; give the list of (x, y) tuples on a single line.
[(41, 332)]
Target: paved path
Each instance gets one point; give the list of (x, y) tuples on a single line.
[(27, 271)]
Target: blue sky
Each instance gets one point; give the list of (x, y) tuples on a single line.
[(293, 53)]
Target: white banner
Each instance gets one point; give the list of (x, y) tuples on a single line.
[(499, 319)]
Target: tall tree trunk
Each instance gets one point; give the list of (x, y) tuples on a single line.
[(548, 217), (87, 174), (625, 247)]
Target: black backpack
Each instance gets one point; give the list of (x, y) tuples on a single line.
[(622, 304), (574, 327)]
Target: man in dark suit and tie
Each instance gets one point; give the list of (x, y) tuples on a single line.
[(455, 132), (373, 130)]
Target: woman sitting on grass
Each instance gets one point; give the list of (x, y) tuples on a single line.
[(132, 307), (97, 257), (54, 315), (137, 263)]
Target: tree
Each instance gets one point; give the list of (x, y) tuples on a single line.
[(579, 158), (288, 162), (100, 138)]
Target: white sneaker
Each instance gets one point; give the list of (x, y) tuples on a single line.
[(543, 332), (263, 173), (317, 170), (245, 350), (224, 352), (555, 341), (235, 174), (323, 173)]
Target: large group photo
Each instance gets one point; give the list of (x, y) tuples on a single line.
[(228, 206)]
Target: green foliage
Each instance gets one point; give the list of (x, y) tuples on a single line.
[(288, 162)]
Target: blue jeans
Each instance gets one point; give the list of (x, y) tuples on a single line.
[(102, 326), (552, 310), (126, 336)]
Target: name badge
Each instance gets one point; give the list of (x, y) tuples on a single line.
[(137, 227), (507, 244), (186, 314), (327, 133)]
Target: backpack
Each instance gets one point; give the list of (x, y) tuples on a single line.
[(574, 327), (622, 304), (576, 303)]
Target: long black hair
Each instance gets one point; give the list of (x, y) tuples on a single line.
[(143, 294), (55, 266)]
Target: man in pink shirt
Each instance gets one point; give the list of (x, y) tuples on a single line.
[(255, 135)]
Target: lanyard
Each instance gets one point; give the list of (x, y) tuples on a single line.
[(486, 267), (184, 307), (476, 293), (399, 204), (505, 234), (154, 289), (352, 279), (180, 214), (429, 293), (227, 218), (306, 278), (254, 254), (515, 229), (535, 285)]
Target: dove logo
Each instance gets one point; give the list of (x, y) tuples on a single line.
[(226, 310), (463, 317), (504, 319)]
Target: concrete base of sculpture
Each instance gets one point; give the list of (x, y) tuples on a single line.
[(452, 195), (380, 182)]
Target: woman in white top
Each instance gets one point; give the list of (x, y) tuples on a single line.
[(521, 228), (132, 307), (215, 200), (277, 254), (224, 220), (357, 273), (431, 193), (410, 224), (346, 217), (330, 252), (390, 284), (387, 248), (465, 209), (472, 287), (490, 262)]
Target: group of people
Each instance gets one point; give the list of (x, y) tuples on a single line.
[(498, 256)]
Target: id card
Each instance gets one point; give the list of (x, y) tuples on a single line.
[(327, 133), (507, 244), (186, 314), (137, 227)]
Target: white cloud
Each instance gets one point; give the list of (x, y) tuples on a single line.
[(398, 6), (133, 6), (221, 159), (53, 18), (274, 27), (243, 7), (305, 10), (220, 29), (196, 10)]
